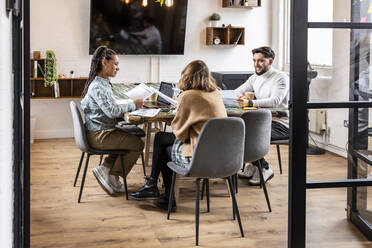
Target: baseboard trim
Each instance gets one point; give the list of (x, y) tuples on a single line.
[(331, 148)]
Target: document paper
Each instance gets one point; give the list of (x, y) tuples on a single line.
[(145, 112), (141, 91), (229, 97)]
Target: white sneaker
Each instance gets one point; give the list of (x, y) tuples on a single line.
[(267, 175), (248, 172), (116, 185), (102, 175)]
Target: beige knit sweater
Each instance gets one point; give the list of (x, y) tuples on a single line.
[(194, 108)]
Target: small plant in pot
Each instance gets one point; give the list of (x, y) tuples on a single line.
[(214, 19), (50, 70)]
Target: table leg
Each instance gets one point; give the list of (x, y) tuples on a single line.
[(147, 127)]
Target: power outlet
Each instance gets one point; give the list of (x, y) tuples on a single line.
[(346, 123)]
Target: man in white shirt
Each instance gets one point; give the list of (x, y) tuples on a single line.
[(271, 90)]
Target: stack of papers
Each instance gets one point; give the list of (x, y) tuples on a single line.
[(145, 112), (229, 97), (143, 92)]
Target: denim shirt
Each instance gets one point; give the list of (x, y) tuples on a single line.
[(100, 107)]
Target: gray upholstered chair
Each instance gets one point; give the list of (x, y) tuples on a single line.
[(257, 140), (82, 143), (218, 154), (133, 129)]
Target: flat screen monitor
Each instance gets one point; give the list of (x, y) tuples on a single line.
[(130, 28)]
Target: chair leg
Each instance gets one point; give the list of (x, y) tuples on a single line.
[(279, 158), (100, 159), (236, 182), (235, 205), (243, 166), (165, 127), (171, 195), (78, 170), (83, 179), (124, 176), (207, 193), (197, 211), (143, 164), (263, 184), (203, 188)]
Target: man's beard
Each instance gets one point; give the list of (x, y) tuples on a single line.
[(262, 71)]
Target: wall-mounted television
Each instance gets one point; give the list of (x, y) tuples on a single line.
[(130, 28)]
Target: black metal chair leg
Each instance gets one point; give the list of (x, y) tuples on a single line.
[(165, 127), (263, 184), (143, 164), (207, 193), (78, 170), (236, 182), (231, 189), (235, 205), (197, 211), (202, 190), (171, 195), (243, 166), (83, 179), (279, 158), (100, 159), (124, 176)]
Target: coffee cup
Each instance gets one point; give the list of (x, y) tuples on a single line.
[(249, 95)]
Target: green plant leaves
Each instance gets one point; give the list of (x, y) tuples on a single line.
[(50, 69)]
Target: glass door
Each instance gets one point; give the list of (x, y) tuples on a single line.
[(360, 142)]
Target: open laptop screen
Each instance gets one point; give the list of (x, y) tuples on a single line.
[(167, 89)]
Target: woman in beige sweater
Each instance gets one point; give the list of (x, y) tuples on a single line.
[(199, 102)]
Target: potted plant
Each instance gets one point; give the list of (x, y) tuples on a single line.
[(50, 72), (214, 20)]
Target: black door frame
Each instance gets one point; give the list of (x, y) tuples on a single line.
[(21, 124), (298, 116)]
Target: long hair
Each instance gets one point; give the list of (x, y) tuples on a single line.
[(196, 75), (100, 53)]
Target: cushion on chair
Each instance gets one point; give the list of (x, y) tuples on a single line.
[(280, 142), (178, 169)]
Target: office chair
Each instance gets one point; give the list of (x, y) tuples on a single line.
[(218, 154), (82, 143), (257, 141)]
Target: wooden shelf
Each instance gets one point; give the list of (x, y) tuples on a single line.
[(227, 35), (250, 4), (68, 88)]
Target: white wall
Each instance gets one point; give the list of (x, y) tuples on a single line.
[(63, 26), (6, 130)]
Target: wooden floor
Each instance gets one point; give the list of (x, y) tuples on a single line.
[(57, 220)]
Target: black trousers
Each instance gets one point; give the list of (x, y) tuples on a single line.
[(278, 131), (161, 155)]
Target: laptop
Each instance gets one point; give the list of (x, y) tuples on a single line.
[(166, 89)]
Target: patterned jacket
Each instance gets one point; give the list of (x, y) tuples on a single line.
[(99, 106)]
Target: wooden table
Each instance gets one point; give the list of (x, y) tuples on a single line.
[(166, 117), (162, 117)]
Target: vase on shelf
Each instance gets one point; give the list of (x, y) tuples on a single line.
[(56, 90), (214, 24)]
